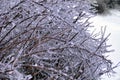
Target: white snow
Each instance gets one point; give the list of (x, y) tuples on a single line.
[(112, 21)]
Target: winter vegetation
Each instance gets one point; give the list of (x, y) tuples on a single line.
[(49, 40)]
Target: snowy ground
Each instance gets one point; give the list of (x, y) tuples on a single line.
[(112, 22)]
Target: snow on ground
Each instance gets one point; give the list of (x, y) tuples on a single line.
[(112, 21)]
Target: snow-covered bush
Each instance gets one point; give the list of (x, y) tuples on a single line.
[(49, 40)]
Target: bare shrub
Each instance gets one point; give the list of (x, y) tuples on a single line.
[(48, 40)]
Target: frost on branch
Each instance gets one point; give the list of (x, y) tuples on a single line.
[(48, 40)]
